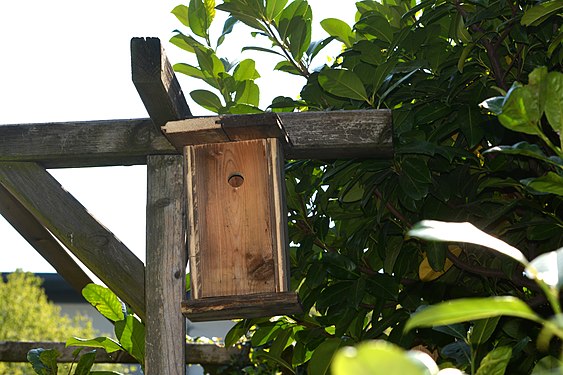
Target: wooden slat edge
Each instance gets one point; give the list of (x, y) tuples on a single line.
[(242, 306), (14, 351), (165, 266), (42, 241), (83, 143), (156, 82)]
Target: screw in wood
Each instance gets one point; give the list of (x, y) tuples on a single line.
[(236, 179)]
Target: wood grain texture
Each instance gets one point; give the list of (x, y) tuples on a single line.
[(165, 266), (42, 241), (156, 82), (238, 307), (95, 246), (83, 144), (305, 135), (338, 134), (12, 351), (234, 239)]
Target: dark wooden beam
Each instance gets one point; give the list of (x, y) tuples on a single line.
[(165, 266), (156, 82), (60, 213), (83, 144), (305, 135), (205, 354), (42, 241)]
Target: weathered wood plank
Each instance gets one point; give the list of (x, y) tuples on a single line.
[(156, 82), (314, 135), (42, 241), (235, 223), (338, 134), (236, 307), (83, 144), (166, 266), (60, 213), (12, 351)]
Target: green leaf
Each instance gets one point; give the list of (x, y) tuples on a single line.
[(339, 29), (464, 310), (209, 63), (43, 361), (227, 29), (343, 83), (247, 93), (207, 100), (246, 70), (274, 8), (539, 13), (470, 124), (551, 183), (189, 70), (200, 16), (261, 49), (85, 363), (377, 26), (181, 13), (455, 330), (548, 365), (376, 358), (548, 268), (242, 109), (496, 361), (131, 335), (244, 13), (278, 360), (520, 111), (104, 300), (286, 66), (414, 178), (436, 253), (106, 343), (322, 356), (185, 42), (431, 230), (299, 36), (554, 102), (482, 330), (493, 105), (525, 149)]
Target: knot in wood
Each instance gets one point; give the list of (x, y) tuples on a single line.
[(162, 202), (236, 179)]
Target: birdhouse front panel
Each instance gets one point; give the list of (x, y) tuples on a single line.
[(237, 220)]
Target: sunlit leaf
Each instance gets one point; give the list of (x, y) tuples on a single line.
[(343, 83), (548, 365), (188, 70), (198, 18), (106, 343), (338, 29), (554, 102), (274, 8), (520, 111), (247, 93), (464, 310), (551, 183), (376, 358), (246, 70), (525, 149), (131, 335), (104, 300), (548, 267), (431, 230), (85, 363), (181, 13), (286, 66), (44, 361)]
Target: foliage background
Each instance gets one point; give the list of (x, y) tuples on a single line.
[(432, 62)]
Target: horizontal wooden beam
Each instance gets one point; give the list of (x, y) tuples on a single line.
[(308, 135), (42, 241), (83, 144), (242, 306), (156, 82), (204, 354), (313, 135), (60, 213)]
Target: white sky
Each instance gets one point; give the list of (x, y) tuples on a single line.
[(69, 60)]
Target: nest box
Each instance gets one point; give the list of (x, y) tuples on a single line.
[(237, 218)]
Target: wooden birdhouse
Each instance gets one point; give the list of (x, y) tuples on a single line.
[(237, 219)]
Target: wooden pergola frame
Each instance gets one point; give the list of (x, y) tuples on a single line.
[(47, 216)]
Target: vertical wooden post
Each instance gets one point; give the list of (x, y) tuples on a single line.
[(165, 267)]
